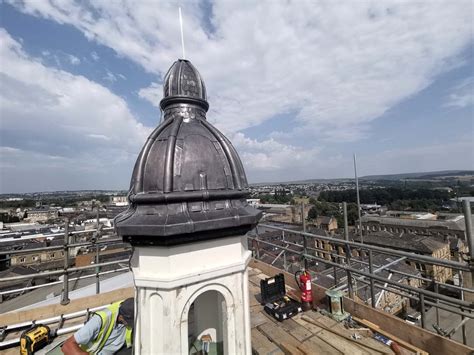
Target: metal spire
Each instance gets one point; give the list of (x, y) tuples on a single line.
[(182, 32)]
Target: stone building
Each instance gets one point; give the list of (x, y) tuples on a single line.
[(284, 213), (422, 245), (326, 223), (35, 258), (41, 214), (450, 227)]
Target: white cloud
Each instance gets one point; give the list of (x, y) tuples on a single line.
[(46, 114), (336, 66), (98, 136), (153, 94), (462, 95), (339, 65), (271, 155), (110, 77), (95, 56), (73, 59), (454, 155)]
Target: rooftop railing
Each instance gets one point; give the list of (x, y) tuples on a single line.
[(100, 237), (369, 275)]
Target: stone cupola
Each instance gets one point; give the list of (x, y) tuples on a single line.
[(188, 183)]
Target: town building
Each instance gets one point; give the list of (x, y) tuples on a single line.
[(326, 223), (117, 205), (42, 214), (422, 245), (415, 223), (283, 213)]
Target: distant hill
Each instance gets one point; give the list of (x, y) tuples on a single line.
[(390, 177), (422, 176)]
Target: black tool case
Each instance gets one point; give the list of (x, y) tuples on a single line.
[(276, 302)]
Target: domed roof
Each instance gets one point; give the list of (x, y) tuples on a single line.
[(188, 183), (183, 84)]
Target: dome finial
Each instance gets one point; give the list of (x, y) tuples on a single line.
[(183, 84)]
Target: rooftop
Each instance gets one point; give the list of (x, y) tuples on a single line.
[(311, 332), (456, 225)]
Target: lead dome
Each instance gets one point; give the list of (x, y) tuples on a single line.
[(188, 183)]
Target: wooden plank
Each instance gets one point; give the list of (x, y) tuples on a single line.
[(311, 327), (254, 295), (399, 341), (257, 319), (345, 334), (253, 271), (73, 306), (277, 334), (316, 346), (290, 349), (288, 325), (421, 338), (262, 346), (255, 280), (296, 330), (326, 321), (341, 344)]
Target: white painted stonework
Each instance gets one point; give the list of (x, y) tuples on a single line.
[(169, 279)]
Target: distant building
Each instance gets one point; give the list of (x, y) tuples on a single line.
[(42, 214), (371, 208), (284, 213), (119, 200), (35, 258), (421, 224), (326, 223), (388, 301), (117, 205), (23, 227), (253, 201), (422, 245)]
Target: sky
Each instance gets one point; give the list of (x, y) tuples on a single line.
[(297, 86)]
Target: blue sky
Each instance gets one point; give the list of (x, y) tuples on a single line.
[(297, 86)]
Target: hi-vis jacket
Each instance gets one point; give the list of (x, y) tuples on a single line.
[(108, 317)]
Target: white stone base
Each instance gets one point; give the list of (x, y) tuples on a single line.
[(169, 279)]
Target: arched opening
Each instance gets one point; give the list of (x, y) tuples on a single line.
[(207, 324)]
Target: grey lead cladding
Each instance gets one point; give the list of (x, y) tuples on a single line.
[(188, 183)]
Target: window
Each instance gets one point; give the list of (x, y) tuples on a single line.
[(35, 258), (22, 259)]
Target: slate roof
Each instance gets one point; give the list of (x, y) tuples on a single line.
[(404, 241), (324, 220), (456, 225)]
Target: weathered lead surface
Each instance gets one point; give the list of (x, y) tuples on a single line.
[(188, 183)]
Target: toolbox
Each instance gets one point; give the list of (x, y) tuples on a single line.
[(277, 303)]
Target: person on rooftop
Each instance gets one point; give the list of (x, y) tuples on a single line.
[(107, 332)]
